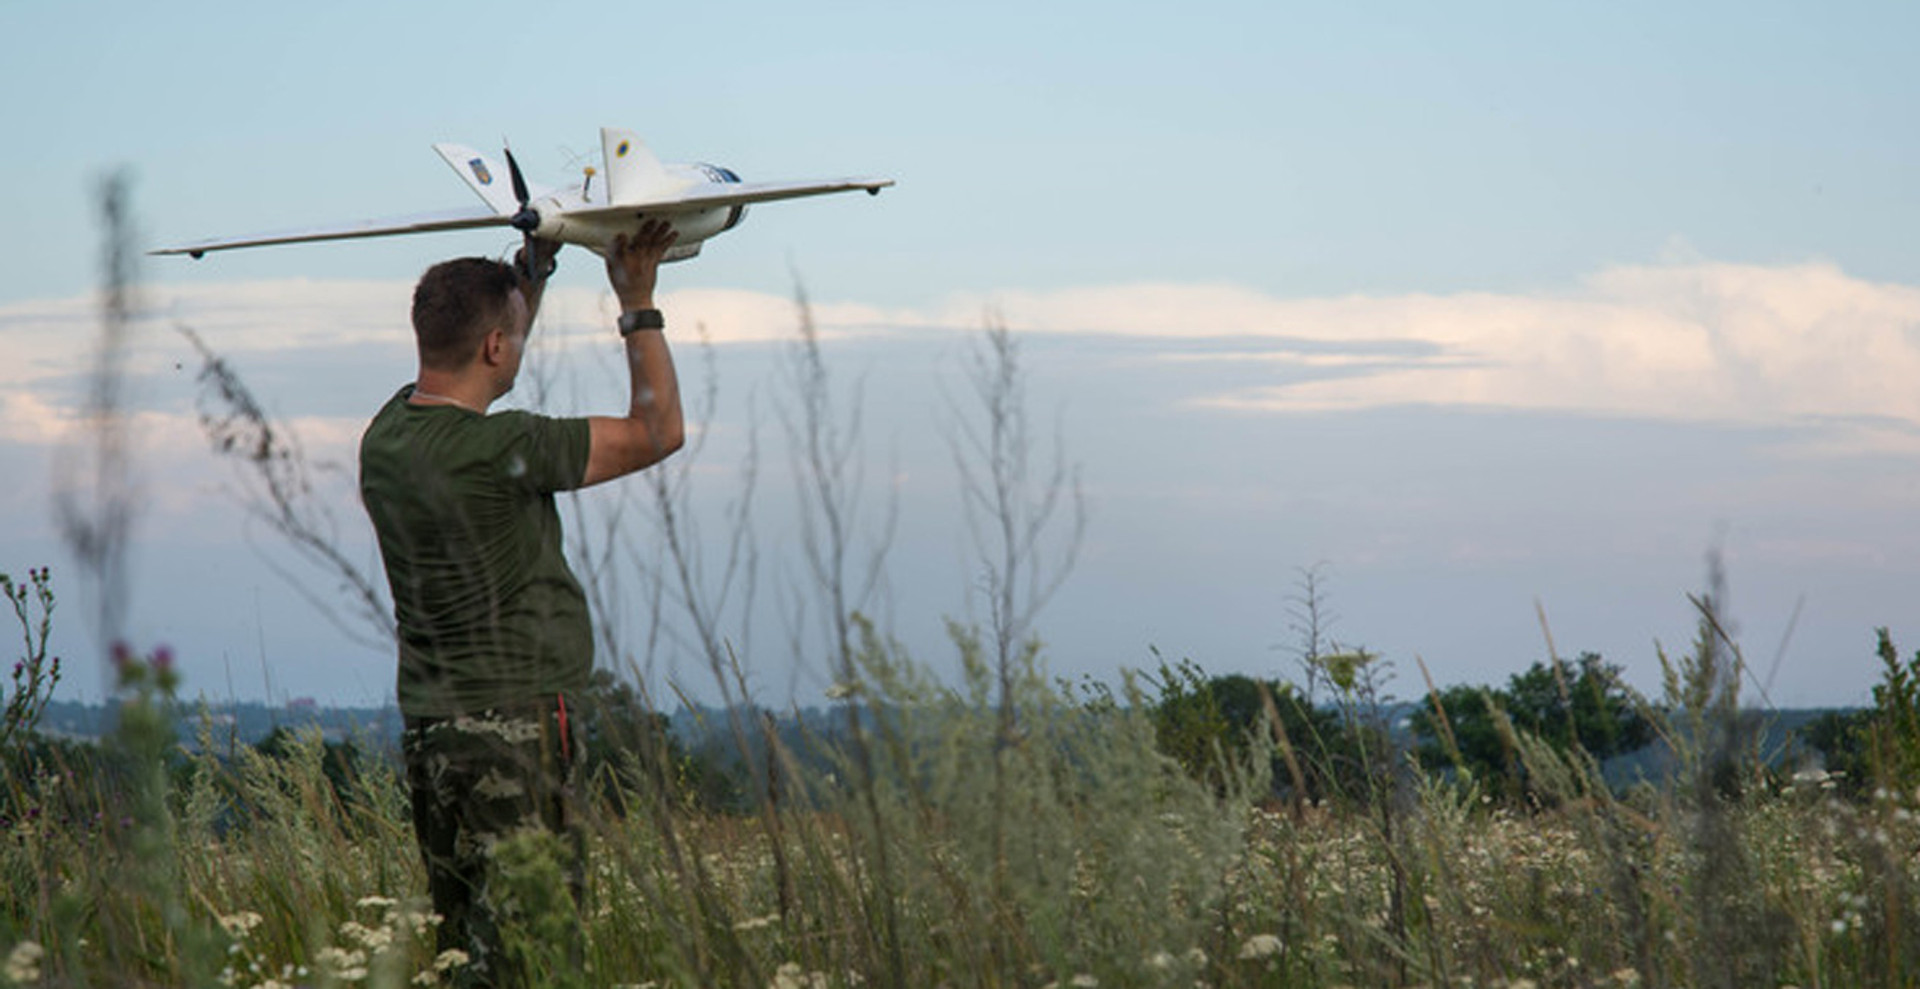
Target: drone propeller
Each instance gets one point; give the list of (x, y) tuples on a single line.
[(527, 220)]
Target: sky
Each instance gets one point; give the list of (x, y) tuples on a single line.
[(1497, 318)]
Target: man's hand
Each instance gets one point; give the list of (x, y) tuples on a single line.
[(633, 263), (541, 264), (534, 271)]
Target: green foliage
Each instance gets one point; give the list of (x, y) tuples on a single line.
[(35, 674), (1067, 845), (1844, 740), (341, 762), (147, 922), (1894, 729), (1214, 726), (1098, 857), (631, 747), (1580, 706), (1876, 747), (539, 921)]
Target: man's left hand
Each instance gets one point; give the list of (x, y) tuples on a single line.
[(541, 264)]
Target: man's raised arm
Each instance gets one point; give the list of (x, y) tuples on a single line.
[(652, 427)]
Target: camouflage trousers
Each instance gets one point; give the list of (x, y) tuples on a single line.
[(477, 779)]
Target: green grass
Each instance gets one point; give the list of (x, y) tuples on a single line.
[(1067, 851)]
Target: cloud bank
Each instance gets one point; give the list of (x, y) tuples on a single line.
[(1693, 342), (1705, 342)]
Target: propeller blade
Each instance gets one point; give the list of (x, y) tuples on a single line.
[(519, 180), (527, 219)]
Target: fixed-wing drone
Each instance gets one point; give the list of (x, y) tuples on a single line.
[(699, 200)]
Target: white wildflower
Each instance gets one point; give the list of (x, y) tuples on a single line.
[(240, 924), (382, 902), (839, 691), (791, 976), (347, 966), (23, 962), (1261, 946), (449, 959), (374, 940)]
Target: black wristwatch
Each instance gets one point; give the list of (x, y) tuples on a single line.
[(641, 319)]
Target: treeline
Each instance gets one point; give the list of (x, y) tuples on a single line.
[(1346, 746)]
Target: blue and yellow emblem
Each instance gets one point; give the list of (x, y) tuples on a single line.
[(480, 171), (621, 151)]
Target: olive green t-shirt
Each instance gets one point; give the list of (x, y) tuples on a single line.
[(489, 613)]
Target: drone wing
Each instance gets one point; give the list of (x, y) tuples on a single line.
[(454, 219), (720, 194)]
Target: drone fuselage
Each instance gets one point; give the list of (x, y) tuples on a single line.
[(581, 214)]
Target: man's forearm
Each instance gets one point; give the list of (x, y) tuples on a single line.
[(653, 427), (654, 387)]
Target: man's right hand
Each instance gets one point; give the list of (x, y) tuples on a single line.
[(633, 263)]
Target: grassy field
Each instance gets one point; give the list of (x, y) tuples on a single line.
[(959, 841)]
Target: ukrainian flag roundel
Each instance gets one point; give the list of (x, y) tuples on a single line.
[(621, 151)]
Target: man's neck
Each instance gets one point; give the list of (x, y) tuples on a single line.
[(434, 388)]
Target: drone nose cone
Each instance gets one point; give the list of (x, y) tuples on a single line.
[(527, 220)]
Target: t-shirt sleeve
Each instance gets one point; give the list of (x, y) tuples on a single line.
[(541, 453)]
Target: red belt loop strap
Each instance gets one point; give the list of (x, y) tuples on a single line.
[(566, 743)]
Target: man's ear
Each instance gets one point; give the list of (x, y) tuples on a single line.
[(493, 347)]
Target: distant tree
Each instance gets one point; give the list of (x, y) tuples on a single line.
[(341, 761), (629, 745), (1878, 747), (1580, 704), (1894, 729), (1844, 740), (1469, 738), (1584, 704), (1208, 724)]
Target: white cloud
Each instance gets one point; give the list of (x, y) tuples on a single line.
[(1691, 341), (723, 315), (28, 419)]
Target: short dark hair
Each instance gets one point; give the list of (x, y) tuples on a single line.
[(454, 306)]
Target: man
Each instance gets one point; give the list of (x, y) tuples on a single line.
[(494, 636)]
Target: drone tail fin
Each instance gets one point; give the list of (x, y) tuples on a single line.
[(482, 176), (634, 175)]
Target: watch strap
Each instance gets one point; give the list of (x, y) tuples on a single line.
[(641, 319)]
